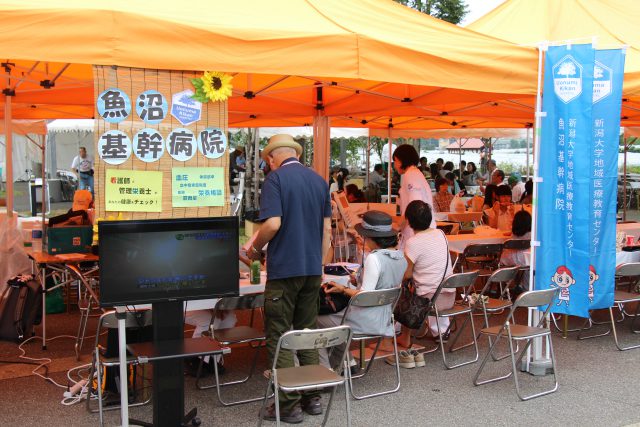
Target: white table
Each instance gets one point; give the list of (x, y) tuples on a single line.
[(624, 257)]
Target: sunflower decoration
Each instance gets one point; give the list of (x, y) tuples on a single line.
[(212, 86)]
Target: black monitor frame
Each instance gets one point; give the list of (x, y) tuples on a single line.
[(108, 228)]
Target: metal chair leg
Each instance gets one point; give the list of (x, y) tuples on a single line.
[(218, 385), (381, 393), (264, 400), (515, 372), (475, 343), (615, 334), (591, 323), (484, 362)]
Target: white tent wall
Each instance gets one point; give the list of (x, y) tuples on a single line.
[(65, 145), (26, 156)]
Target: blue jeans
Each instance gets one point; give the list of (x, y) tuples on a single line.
[(85, 182)]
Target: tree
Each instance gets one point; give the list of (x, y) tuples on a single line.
[(448, 10)]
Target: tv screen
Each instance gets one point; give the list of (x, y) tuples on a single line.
[(146, 261)]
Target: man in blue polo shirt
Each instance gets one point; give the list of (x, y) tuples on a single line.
[(296, 209)]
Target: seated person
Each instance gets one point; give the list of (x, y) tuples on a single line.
[(500, 216), (428, 264), (527, 196), (383, 269), (457, 185), (354, 194), (521, 230), (442, 198)]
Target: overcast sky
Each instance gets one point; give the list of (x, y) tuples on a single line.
[(477, 8)]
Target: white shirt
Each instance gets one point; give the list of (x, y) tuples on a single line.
[(429, 253), (414, 186), (376, 178), (517, 191), (82, 164), (505, 219)]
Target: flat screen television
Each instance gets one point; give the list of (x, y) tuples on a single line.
[(147, 261)]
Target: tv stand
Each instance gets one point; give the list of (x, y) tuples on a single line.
[(168, 376)]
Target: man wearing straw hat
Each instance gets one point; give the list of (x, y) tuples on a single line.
[(296, 209)]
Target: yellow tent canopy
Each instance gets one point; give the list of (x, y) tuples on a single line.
[(613, 22)]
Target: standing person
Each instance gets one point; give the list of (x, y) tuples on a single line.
[(472, 175), (413, 186), (517, 187), (296, 210), (424, 166), (82, 165), (486, 178)]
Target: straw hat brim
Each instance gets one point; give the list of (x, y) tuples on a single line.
[(280, 141)]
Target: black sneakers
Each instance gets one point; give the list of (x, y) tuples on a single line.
[(312, 406)]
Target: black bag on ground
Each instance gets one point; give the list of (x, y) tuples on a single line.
[(20, 308), (411, 309), (111, 378)]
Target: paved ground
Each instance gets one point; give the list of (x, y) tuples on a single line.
[(598, 387)]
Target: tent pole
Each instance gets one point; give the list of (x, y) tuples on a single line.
[(624, 181), (8, 133), (321, 146), (534, 360), (256, 168), (528, 148), (459, 159), (389, 168), (44, 184), (368, 155)]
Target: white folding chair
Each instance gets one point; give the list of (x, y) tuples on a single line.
[(310, 377), (372, 299), (514, 332), (236, 335)]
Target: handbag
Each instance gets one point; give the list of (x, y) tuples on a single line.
[(332, 303), (411, 309)]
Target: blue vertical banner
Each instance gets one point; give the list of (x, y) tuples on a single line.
[(608, 75), (564, 199)]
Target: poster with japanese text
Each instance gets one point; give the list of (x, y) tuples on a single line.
[(562, 259), (607, 103), (192, 187), (133, 191), (149, 120)]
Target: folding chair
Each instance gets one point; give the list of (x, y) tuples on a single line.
[(455, 281), (446, 228), (518, 245), (136, 319), (86, 297), (484, 257), (631, 273), (371, 299), (236, 335), (310, 377), (488, 305), (515, 332)]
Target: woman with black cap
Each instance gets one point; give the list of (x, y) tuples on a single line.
[(383, 268)]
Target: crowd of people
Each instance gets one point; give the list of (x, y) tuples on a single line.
[(296, 210)]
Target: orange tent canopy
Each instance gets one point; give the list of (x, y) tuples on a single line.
[(291, 59)]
